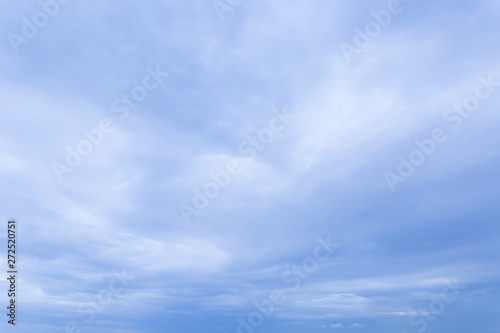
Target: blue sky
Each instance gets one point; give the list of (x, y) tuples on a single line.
[(331, 185)]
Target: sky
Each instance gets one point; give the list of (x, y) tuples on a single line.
[(251, 166)]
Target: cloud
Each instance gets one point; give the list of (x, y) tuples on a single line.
[(322, 175)]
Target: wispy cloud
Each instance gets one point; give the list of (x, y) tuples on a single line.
[(322, 175)]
